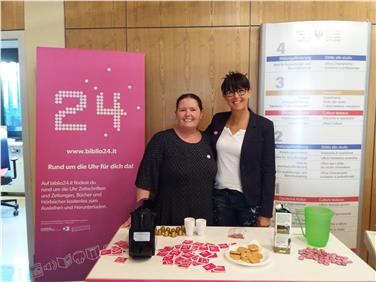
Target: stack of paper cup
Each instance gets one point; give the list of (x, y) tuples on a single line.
[(189, 224), (200, 226)]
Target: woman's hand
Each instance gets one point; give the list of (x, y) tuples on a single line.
[(127, 224), (141, 195), (263, 221)]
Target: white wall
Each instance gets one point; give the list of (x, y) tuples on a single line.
[(44, 27)]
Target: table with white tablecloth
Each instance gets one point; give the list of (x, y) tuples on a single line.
[(282, 267)]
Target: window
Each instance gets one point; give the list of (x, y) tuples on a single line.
[(11, 112)]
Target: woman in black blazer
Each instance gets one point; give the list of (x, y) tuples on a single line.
[(244, 146)]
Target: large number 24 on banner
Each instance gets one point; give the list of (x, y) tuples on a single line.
[(89, 142)]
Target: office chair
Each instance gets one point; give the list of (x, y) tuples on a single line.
[(7, 178)]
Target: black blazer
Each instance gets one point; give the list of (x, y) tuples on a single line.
[(257, 159)]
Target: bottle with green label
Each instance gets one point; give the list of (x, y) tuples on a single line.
[(282, 229)]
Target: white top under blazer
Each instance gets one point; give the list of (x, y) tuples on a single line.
[(228, 160)]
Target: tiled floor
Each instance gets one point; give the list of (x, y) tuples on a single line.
[(13, 245)]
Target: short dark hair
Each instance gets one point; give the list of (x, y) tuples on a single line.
[(189, 95), (234, 81)]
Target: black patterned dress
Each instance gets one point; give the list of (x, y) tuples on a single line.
[(181, 175)]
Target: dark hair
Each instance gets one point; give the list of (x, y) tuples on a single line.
[(234, 81), (189, 95)]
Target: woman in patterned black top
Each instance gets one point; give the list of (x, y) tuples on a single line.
[(178, 168)]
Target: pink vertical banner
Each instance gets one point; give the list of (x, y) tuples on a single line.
[(89, 142)]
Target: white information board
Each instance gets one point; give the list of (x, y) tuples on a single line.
[(313, 86)]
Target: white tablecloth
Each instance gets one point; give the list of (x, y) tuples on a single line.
[(281, 268)]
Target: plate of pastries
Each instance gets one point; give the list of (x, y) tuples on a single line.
[(251, 254)]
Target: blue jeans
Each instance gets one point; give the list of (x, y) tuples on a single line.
[(231, 208)]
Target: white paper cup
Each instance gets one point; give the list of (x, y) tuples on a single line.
[(200, 226), (189, 224)]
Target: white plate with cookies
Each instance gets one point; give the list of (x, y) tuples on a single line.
[(251, 254)]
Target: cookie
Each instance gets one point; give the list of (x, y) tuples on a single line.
[(253, 247), (244, 255), (249, 254), (245, 259), (254, 260), (235, 253), (235, 256), (242, 249)]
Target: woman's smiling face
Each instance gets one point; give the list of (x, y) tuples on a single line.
[(188, 113), (238, 100)]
